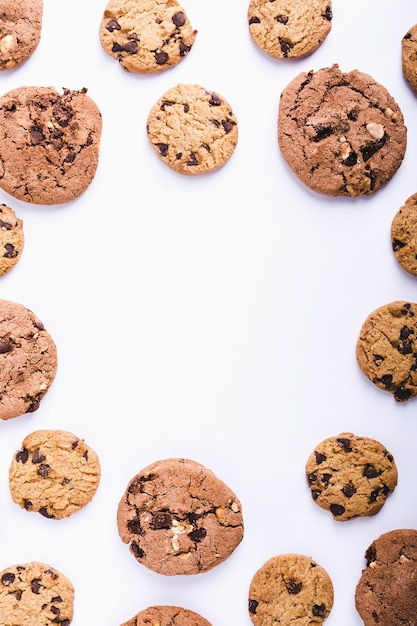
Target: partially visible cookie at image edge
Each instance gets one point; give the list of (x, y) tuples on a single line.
[(386, 349), (166, 616), (20, 31), (351, 476), (404, 235), (341, 133), (409, 57), (289, 30), (146, 37), (54, 473), (12, 239)]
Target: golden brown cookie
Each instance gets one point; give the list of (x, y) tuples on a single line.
[(179, 518), (341, 133), (192, 130), (54, 473), (409, 57), (386, 349), (351, 476), (290, 589), (12, 239), (386, 594), (35, 594), (404, 235), (166, 616), (28, 360), (20, 31), (50, 144), (146, 36), (288, 30)]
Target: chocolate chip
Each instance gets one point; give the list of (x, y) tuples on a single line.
[(163, 148), (402, 393), (161, 57), (397, 244), (215, 101), (293, 586), (10, 252), (55, 611), (337, 509), (406, 332), (253, 605), (36, 135), (345, 443), (36, 586), (405, 347), (117, 47), (5, 225), (179, 19), (112, 25), (7, 578), (378, 359), (283, 19), (320, 458), (326, 478), (27, 504), (254, 20), (374, 495), (386, 380), (319, 610), (131, 47), (184, 49), (136, 550), (192, 160), (44, 512), (37, 457), (328, 15), (369, 150), (351, 159), (228, 126), (134, 526), (369, 471), (198, 535), (285, 47), (6, 345), (311, 478), (163, 519), (315, 493), (22, 456), (44, 470), (349, 490), (322, 133)]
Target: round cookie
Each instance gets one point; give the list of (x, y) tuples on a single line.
[(341, 134), (192, 130), (28, 360), (288, 30), (50, 144), (54, 473), (146, 36), (351, 476), (386, 594), (409, 57), (11, 239), (20, 31), (386, 350), (35, 593), (167, 616), (179, 518), (290, 589), (404, 235)]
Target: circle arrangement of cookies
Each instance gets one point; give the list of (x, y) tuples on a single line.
[(342, 137)]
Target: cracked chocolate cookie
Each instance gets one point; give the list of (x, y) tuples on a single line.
[(290, 588), (341, 134), (54, 473), (386, 594), (35, 593), (12, 239), (167, 616), (20, 31), (288, 30), (409, 57), (351, 476), (386, 349), (404, 235), (179, 518), (146, 36), (50, 144), (28, 360), (192, 130)]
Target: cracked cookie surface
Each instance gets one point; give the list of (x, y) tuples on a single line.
[(341, 134), (386, 594), (54, 473), (28, 360), (192, 130), (351, 476), (404, 235), (35, 593), (20, 31), (386, 349), (290, 589), (50, 144), (288, 30), (409, 57), (167, 616), (179, 518), (146, 36), (12, 239)]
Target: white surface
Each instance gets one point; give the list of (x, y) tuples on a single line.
[(211, 317)]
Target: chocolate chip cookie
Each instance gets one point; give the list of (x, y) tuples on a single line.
[(386, 594), (28, 360), (12, 239), (179, 518), (288, 30), (50, 144), (192, 130), (146, 36), (386, 349), (290, 588), (341, 134), (54, 473), (35, 594), (409, 57), (167, 616), (20, 31), (404, 235), (351, 476)]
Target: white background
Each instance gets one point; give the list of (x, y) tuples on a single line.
[(210, 317)]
